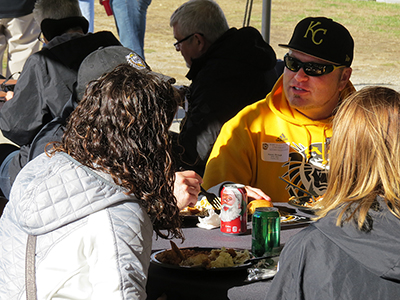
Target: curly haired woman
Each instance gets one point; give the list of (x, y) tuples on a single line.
[(93, 201)]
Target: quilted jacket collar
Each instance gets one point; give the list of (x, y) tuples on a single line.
[(58, 190)]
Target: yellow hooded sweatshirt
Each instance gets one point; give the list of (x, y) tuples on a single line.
[(267, 140)]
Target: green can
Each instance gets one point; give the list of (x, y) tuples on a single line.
[(266, 231)]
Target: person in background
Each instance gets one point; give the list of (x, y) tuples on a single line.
[(130, 19), (287, 134), (87, 8), (47, 79), (351, 252), (94, 200), (18, 32), (229, 69), (97, 63)]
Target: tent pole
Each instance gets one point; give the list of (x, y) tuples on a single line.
[(266, 20)]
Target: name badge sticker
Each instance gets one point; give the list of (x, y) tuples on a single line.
[(275, 152)]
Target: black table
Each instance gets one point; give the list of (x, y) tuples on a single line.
[(193, 284)]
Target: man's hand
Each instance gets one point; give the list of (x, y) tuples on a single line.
[(187, 188), (181, 92), (255, 193)]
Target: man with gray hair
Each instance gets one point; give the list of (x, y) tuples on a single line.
[(229, 69), (47, 79)]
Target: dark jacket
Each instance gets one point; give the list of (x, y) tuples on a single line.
[(52, 131), (44, 86), (237, 70), (16, 8), (324, 261)]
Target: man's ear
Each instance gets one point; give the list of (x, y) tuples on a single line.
[(344, 78), (201, 42)]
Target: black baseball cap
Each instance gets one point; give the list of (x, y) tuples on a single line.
[(323, 38), (55, 27)]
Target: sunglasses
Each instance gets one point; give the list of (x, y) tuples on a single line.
[(310, 68)]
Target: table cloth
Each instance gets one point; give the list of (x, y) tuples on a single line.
[(190, 284)]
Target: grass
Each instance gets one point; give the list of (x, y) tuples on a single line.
[(374, 26), (360, 15)]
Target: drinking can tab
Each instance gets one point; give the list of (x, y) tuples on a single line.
[(233, 209), (266, 231)]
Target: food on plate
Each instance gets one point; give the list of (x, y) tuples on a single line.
[(213, 258), (204, 204), (191, 210), (305, 201), (251, 207), (289, 218), (176, 250), (195, 259), (200, 209)]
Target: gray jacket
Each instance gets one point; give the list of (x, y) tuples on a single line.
[(325, 261), (93, 240)]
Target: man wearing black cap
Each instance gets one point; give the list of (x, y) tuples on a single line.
[(46, 81), (287, 134)]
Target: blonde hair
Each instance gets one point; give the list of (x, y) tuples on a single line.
[(364, 155)]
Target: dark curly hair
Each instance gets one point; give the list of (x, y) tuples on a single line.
[(121, 128)]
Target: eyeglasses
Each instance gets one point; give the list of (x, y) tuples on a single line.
[(40, 38), (310, 68), (186, 38)]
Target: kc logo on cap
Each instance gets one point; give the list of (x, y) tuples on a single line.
[(313, 30), (323, 38)]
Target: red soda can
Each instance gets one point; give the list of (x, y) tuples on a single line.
[(233, 209)]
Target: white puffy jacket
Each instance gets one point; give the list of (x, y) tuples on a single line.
[(93, 241)]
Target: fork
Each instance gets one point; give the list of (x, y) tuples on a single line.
[(212, 199), (297, 187)]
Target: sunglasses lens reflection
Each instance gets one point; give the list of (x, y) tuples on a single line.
[(291, 64), (311, 69)]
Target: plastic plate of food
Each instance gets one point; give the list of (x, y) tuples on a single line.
[(202, 258), (291, 219), (199, 210), (304, 204)]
